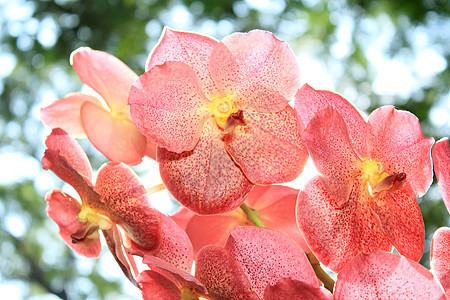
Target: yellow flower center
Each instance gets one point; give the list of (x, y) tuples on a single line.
[(91, 216), (222, 108), (373, 173)]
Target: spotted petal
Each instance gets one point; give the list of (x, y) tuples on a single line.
[(382, 275), (441, 161), (395, 139), (63, 209), (269, 149), (113, 135), (126, 203), (329, 145), (222, 275), (440, 257), (205, 180), (402, 221), (337, 235), (169, 107), (155, 286), (257, 68), (191, 48), (106, 74), (287, 288), (266, 256), (309, 101)]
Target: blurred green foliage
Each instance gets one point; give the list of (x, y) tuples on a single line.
[(38, 36)]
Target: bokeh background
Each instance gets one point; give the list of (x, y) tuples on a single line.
[(372, 52)]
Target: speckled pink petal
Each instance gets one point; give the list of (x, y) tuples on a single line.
[(126, 203), (116, 137), (155, 286), (309, 101), (191, 48), (260, 70), (222, 275), (402, 221), (382, 275), (337, 235), (287, 288), (440, 257), (176, 248), (441, 161), (65, 113), (276, 207), (329, 145), (106, 74), (60, 142), (181, 278), (64, 209), (206, 230), (169, 107), (269, 149), (266, 256), (205, 180), (395, 139)]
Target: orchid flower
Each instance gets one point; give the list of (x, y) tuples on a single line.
[(370, 175), (219, 113), (441, 162), (258, 263), (440, 258), (382, 275), (118, 199), (106, 122), (274, 204)]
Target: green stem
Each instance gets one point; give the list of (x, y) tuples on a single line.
[(328, 282), (252, 215)]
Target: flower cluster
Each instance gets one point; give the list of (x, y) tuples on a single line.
[(216, 117)]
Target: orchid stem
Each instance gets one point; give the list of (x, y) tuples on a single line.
[(328, 282), (156, 188), (252, 215)]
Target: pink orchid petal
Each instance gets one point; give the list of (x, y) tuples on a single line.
[(126, 203), (106, 74), (116, 137), (440, 257), (287, 288), (382, 275), (206, 230), (441, 161), (309, 101), (65, 113), (191, 48), (125, 260), (337, 235), (64, 209), (276, 207), (60, 142), (402, 221), (176, 248), (182, 278), (52, 160), (205, 180), (222, 275), (155, 286), (331, 150), (266, 256), (395, 139), (150, 151), (259, 69), (169, 107), (182, 217), (269, 149)]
